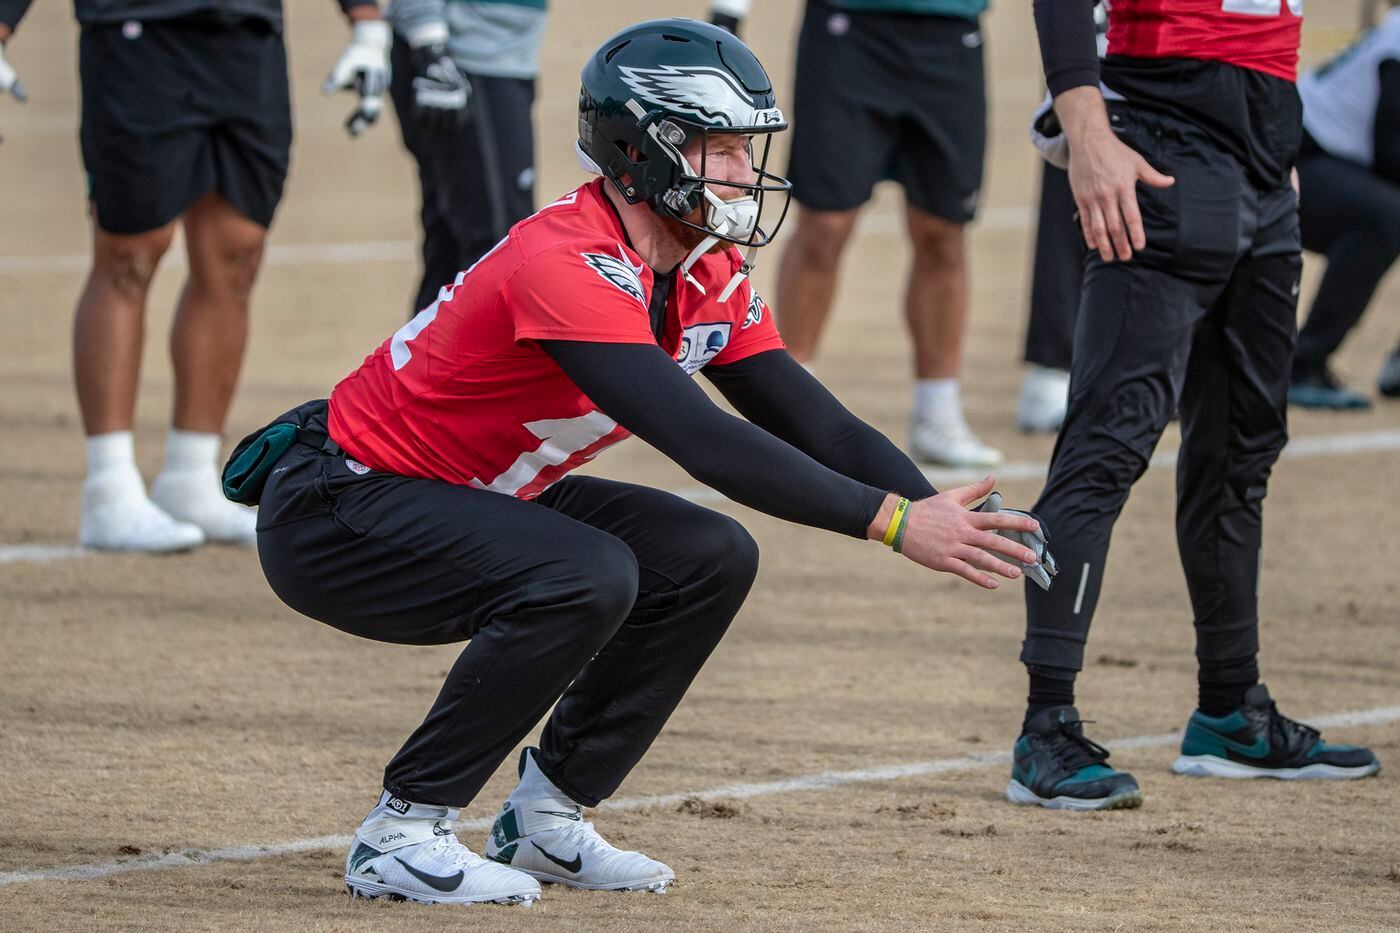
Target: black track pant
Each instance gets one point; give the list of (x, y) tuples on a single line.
[(1352, 216), (1057, 274), (1205, 316), (604, 596), (476, 183)]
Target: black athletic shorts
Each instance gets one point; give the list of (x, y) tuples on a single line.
[(897, 96), (173, 109)]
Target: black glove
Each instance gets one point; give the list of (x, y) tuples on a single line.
[(726, 22), (440, 91)]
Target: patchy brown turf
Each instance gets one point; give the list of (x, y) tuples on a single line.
[(153, 705)]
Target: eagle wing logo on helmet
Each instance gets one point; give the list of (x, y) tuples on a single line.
[(618, 272), (705, 92)]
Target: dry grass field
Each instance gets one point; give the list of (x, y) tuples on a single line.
[(180, 752)]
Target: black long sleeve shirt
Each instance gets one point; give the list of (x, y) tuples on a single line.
[(799, 456)]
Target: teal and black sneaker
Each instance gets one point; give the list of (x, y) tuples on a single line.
[(1257, 740), (1054, 765)]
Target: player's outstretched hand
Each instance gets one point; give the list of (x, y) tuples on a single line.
[(363, 68), (942, 533)]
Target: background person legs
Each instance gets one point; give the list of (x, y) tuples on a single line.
[(807, 276), (1352, 216), (1057, 274), (207, 341), (108, 331), (180, 117), (925, 130)]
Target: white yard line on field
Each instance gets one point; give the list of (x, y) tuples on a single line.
[(1302, 448), (278, 254), (38, 552), (806, 782), (354, 252)]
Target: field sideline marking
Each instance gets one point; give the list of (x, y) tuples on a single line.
[(356, 252), (807, 782), (1302, 448)]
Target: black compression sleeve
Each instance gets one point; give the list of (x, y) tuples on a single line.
[(774, 392), (642, 389), (1068, 47), (1386, 139), (12, 11)]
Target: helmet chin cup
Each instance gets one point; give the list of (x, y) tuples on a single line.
[(732, 220)]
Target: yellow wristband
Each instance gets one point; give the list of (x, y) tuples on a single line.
[(901, 512)]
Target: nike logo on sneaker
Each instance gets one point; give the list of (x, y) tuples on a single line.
[(1257, 749), (445, 883), (566, 814), (575, 866)]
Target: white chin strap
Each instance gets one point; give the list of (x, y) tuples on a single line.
[(727, 219), (735, 219)]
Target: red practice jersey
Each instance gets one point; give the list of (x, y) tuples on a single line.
[(464, 393), (1261, 35)]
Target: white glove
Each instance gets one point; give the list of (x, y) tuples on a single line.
[(1048, 137), (1041, 573), (363, 68)]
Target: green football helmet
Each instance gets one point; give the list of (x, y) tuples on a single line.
[(657, 87)]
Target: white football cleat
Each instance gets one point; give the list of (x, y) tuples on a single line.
[(118, 516), (558, 846), (944, 438), (1044, 400), (196, 496), (420, 859)]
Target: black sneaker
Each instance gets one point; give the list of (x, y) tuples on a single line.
[(1322, 389), (1054, 765), (1257, 740)]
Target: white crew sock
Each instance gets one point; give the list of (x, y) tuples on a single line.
[(933, 397), (114, 450), (190, 450)]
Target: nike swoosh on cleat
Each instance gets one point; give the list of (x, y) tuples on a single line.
[(444, 884), (575, 866), (566, 814)]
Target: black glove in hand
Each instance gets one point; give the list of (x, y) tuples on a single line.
[(440, 91)]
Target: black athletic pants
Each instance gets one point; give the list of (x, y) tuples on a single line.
[(1204, 316), (1056, 276), (608, 594), (1352, 216), (475, 184)]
